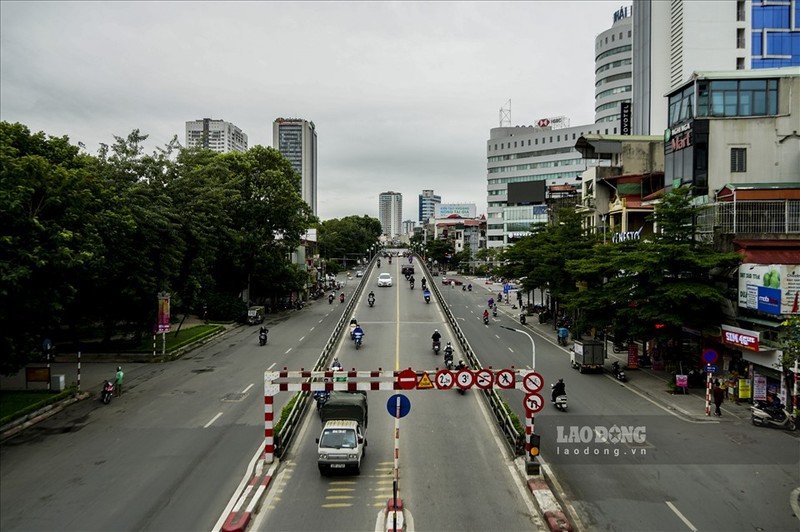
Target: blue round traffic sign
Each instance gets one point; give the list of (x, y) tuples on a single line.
[(710, 356), (405, 405)]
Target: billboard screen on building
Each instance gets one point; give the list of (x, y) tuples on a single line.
[(527, 193), (465, 210), (770, 288)]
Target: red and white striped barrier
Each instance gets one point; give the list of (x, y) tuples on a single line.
[(240, 515), (551, 510)]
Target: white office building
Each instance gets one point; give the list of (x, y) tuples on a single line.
[(296, 139), (216, 135), (613, 86), (390, 213)]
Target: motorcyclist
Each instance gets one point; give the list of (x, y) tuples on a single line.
[(262, 335), (424, 283), (379, 263), (331, 297), (494, 311), (563, 333), (485, 315), (460, 365), (469, 287), (491, 302), (371, 296), (448, 351), (559, 389), (353, 325), (341, 297), (358, 332), (335, 365), (436, 337)]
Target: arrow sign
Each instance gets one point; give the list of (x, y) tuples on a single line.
[(444, 379), (505, 379), (484, 378), (533, 382), (405, 405), (465, 379), (533, 402), (407, 379)]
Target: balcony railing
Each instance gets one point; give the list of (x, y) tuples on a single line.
[(754, 217)]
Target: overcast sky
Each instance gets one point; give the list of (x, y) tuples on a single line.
[(403, 95)]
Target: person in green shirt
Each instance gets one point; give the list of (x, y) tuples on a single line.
[(118, 382)]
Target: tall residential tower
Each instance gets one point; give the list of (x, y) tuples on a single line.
[(296, 139), (216, 135), (390, 213)]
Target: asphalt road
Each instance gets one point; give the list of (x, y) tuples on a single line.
[(454, 475), (170, 452), (670, 473)]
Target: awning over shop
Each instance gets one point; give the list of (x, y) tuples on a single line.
[(769, 251), (769, 359)]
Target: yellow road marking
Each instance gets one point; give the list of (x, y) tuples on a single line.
[(334, 497), (341, 489), (339, 505)]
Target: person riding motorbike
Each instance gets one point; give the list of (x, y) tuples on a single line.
[(353, 325), (341, 297), (448, 352), (358, 333), (335, 365), (331, 297), (436, 337), (485, 315), (491, 302), (494, 311), (371, 297), (469, 287), (262, 335), (379, 263), (424, 283), (559, 389), (460, 365)]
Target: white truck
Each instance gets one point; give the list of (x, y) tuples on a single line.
[(588, 355), (343, 439)]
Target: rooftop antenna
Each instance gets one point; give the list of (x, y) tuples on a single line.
[(505, 114)]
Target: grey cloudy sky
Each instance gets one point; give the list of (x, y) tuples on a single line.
[(403, 95)]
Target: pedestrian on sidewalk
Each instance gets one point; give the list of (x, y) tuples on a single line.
[(719, 396), (118, 382)]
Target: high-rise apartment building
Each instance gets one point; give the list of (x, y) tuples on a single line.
[(296, 139), (216, 135), (613, 74), (427, 205), (775, 32), (390, 213)]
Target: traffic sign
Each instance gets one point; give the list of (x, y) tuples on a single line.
[(533, 382), (444, 379), (407, 379), (534, 402), (425, 382), (505, 379), (405, 405), (484, 378), (465, 379), (710, 356), (711, 369)]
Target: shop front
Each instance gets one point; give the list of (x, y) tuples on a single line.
[(761, 371)]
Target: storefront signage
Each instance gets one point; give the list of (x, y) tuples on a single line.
[(628, 235), (759, 387), (679, 137), (740, 338), (744, 389), (770, 288)]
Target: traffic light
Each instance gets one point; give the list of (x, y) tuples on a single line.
[(535, 440)]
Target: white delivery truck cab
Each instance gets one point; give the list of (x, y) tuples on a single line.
[(343, 438)]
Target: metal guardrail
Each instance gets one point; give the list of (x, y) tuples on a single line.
[(513, 438), (302, 399)]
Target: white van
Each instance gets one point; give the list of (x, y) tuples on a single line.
[(340, 446)]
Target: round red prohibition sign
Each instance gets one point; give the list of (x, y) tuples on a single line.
[(534, 402), (465, 379), (533, 382), (444, 379), (407, 379), (505, 379), (484, 379)]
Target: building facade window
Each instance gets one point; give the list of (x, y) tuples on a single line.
[(738, 159), (740, 40), (747, 97)]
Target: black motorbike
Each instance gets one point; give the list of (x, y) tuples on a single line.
[(437, 345), (618, 372), (522, 318), (371, 301), (330, 299), (411, 284), (262, 338)]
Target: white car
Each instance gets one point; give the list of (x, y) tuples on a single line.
[(359, 273), (385, 279)]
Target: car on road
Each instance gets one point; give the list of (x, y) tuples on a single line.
[(447, 281), (385, 279), (359, 273)]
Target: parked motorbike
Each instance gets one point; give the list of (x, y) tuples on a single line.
[(522, 318), (765, 415), (436, 347), (618, 372), (107, 392), (560, 401)]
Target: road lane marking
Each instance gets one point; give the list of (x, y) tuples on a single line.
[(312, 328), (271, 366), (320, 321), (682, 517), (301, 339), (248, 388), (287, 351), (212, 420), (510, 349)]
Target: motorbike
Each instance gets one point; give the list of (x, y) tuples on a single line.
[(469, 287), (341, 298), (486, 319), (522, 318), (262, 338), (107, 392), (436, 347), (427, 296), (618, 372), (321, 398), (448, 360), (411, 284), (494, 312), (560, 401), (463, 288), (357, 337), (765, 415), (371, 301), (379, 263)]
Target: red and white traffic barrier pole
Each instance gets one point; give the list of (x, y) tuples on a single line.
[(269, 424), (708, 390), (79, 370)]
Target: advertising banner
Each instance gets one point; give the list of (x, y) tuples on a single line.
[(770, 288), (744, 389), (163, 313), (759, 387), (633, 356), (741, 338)]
